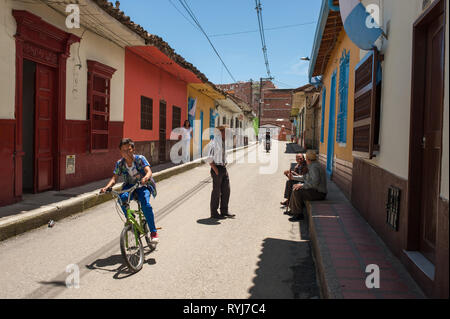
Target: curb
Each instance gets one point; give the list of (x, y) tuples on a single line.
[(21, 223), (325, 290)]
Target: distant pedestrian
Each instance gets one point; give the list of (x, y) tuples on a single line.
[(314, 187), (186, 138), (217, 159)]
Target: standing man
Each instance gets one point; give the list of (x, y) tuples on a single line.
[(217, 159)]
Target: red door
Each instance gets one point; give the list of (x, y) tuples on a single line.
[(432, 136), (44, 118)]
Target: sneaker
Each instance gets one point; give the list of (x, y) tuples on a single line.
[(154, 237)]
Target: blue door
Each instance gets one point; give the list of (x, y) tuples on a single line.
[(200, 150), (331, 125)]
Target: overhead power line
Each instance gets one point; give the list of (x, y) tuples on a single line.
[(267, 29), (194, 18), (261, 33)]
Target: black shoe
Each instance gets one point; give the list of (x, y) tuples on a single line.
[(289, 213), (296, 218), (217, 216), (228, 215)]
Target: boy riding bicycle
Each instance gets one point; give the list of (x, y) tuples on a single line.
[(135, 168)]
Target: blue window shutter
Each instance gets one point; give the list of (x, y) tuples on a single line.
[(322, 130), (343, 98)]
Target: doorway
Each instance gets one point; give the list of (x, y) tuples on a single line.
[(29, 88), (38, 102), (426, 129)]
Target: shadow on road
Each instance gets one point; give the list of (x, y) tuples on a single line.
[(292, 148), (122, 271), (208, 221), (286, 270)]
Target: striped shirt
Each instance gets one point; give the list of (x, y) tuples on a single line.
[(216, 152)]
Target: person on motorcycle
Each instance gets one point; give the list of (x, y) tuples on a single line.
[(267, 140), (135, 168)]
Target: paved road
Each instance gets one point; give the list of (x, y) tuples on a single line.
[(259, 254)]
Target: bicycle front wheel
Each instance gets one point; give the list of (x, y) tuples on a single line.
[(131, 248)]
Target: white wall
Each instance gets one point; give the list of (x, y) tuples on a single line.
[(93, 47), (7, 60)]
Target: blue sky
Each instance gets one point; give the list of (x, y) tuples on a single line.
[(242, 53)]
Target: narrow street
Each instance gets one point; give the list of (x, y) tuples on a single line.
[(258, 254)]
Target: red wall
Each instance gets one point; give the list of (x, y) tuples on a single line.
[(7, 133), (145, 79), (89, 167)]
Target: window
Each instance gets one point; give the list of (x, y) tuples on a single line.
[(146, 113), (176, 117), (366, 121), (322, 128), (341, 133), (224, 120), (98, 104)]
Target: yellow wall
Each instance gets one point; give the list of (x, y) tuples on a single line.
[(204, 103), (343, 152)]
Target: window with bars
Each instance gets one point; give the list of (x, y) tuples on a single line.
[(146, 113), (98, 104), (344, 67), (176, 117)]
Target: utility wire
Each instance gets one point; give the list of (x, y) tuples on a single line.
[(267, 29), (194, 18), (261, 33)]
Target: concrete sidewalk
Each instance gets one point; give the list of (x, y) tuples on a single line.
[(37, 210), (344, 244)]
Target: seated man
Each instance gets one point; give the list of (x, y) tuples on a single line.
[(314, 187), (299, 169)]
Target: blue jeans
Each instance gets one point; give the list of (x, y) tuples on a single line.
[(144, 198)]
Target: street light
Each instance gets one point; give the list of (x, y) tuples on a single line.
[(305, 58)]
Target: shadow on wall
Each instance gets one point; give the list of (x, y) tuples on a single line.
[(285, 271)]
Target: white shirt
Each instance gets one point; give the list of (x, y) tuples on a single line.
[(133, 171), (186, 133)]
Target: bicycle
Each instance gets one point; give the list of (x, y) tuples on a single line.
[(135, 228)]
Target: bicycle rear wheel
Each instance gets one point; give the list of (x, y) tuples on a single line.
[(132, 253)]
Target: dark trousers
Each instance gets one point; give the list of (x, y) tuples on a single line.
[(288, 188), (298, 198), (221, 191)]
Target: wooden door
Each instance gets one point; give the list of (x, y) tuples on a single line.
[(432, 136), (44, 128), (162, 131)]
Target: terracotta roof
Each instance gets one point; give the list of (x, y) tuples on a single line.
[(151, 39)]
